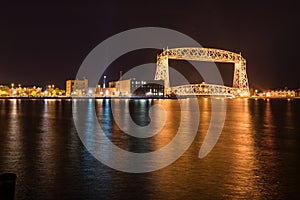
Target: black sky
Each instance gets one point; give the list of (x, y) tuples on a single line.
[(44, 42)]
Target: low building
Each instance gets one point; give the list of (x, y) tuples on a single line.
[(77, 87), (105, 92), (134, 87), (280, 93), (5, 90), (297, 92)]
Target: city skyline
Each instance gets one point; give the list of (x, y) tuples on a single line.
[(46, 43)]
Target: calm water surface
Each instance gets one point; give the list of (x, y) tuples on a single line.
[(257, 155)]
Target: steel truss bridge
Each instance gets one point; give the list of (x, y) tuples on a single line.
[(240, 86)]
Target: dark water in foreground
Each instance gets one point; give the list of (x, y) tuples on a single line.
[(257, 155)]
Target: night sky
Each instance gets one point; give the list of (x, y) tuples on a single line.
[(45, 42)]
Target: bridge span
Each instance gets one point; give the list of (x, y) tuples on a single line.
[(240, 86)]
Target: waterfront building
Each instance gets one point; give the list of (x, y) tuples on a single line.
[(5, 90), (105, 92), (297, 92), (280, 93), (76, 87), (134, 87)]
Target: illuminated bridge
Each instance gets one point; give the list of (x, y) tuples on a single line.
[(240, 86)]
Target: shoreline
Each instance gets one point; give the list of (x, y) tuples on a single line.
[(83, 97), (182, 97)]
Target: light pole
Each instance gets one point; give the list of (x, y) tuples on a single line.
[(104, 81), (12, 89)]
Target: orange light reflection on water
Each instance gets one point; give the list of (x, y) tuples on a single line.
[(244, 162)]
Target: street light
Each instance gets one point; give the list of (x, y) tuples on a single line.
[(12, 89), (104, 82)]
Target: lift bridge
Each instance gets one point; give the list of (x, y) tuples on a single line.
[(240, 85)]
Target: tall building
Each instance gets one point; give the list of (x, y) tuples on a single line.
[(77, 87)]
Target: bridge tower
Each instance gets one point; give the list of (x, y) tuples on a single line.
[(240, 80), (162, 70)]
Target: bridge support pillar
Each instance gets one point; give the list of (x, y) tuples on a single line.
[(162, 71), (240, 80)]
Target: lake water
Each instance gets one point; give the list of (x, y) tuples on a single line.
[(256, 157)]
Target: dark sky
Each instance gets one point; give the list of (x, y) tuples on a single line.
[(45, 42)]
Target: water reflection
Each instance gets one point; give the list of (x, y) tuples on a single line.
[(13, 133), (289, 115), (244, 164), (269, 125), (124, 159), (257, 155), (47, 146)]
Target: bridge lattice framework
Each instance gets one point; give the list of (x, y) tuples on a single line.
[(240, 86)]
